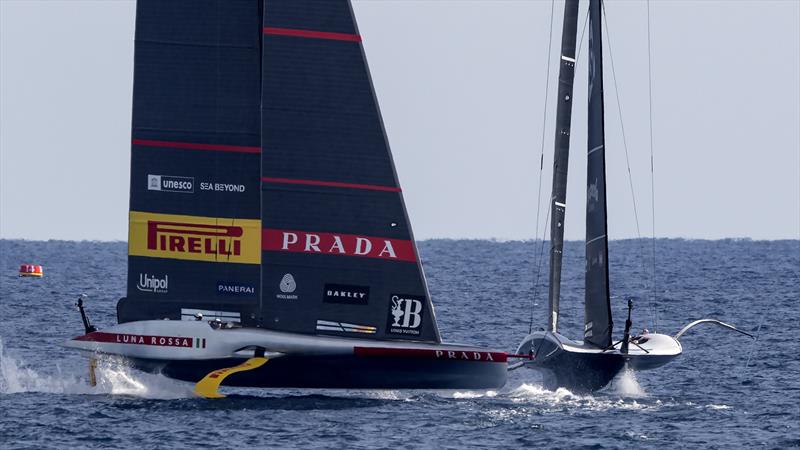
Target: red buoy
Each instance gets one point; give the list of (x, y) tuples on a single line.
[(30, 270)]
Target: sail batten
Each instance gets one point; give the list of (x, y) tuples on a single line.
[(597, 303)]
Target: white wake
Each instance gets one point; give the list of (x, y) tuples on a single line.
[(113, 378)]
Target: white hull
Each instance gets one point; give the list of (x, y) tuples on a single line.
[(189, 350)]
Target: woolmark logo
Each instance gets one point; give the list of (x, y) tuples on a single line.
[(287, 287), (151, 283), (169, 183), (405, 314)]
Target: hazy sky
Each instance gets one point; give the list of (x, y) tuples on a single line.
[(461, 85)]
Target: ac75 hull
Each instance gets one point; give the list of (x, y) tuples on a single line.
[(581, 368), (188, 351)]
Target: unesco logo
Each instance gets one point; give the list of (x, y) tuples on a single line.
[(169, 183)]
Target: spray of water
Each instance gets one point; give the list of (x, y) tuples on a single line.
[(469, 394), (626, 385), (113, 378), (536, 395)]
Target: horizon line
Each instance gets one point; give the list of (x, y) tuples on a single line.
[(488, 239)]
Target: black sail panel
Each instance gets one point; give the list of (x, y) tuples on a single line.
[(195, 230), (566, 78), (338, 253), (597, 323)]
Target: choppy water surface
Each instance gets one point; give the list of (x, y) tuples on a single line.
[(482, 290)]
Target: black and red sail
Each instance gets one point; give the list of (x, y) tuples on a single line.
[(332, 209), (196, 145), (262, 185)]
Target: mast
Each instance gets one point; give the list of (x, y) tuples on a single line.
[(597, 322), (566, 78)]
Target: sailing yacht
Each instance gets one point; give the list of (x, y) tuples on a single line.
[(269, 244), (591, 363)]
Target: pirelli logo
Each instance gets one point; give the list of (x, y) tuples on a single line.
[(213, 239)]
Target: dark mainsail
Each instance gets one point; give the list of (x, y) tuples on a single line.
[(195, 233), (338, 253), (566, 78), (597, 323), (262, 185)]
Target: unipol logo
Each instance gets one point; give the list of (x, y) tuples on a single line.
[(405, 314), (152, 283), (178, 237), (338, 244)]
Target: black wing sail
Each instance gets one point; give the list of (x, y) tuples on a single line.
[(338, 253), (597, 323), (194, 234), (558, 205)]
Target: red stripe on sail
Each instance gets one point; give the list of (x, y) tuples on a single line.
[(320, 243), (312, 34), (439, 354), (370, 187), (197, 146)]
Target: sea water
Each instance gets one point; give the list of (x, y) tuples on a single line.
[(484, 293)]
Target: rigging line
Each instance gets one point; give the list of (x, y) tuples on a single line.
[(539, 267), (580, 41), (541, 157), (652, 170), (627, 157)]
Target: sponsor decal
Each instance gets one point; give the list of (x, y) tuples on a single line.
[(326, 325), (463, 355), (224, 316), (346, 294), (153, 283), (235, 289), (221, 187), (587, 329), (287, 286), (405, 314), (195, 238), (338, 244), (169, 183), (445, 354), (141, 339)]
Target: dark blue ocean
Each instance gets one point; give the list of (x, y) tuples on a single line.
[(711, 397)]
